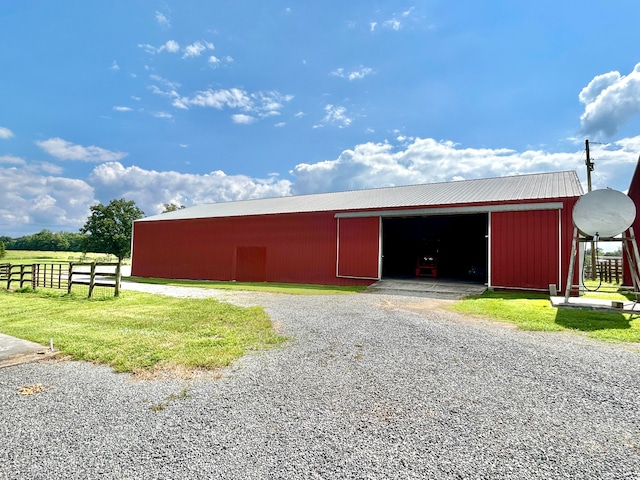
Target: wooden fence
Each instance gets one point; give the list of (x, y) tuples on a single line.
[(608, 269), (62, 276)]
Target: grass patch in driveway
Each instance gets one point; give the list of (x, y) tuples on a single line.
[(270, 287), (138, 331), (534, 312)]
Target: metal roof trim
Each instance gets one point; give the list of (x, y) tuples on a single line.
[(513, 207)]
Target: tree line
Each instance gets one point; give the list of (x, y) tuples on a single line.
[(107, 230)]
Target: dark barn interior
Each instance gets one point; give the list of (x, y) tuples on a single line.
[(456, 244)]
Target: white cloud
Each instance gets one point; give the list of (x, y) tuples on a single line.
[(213, 60), (258, 104), (196, 48), (114, 66), (162, 19), (280, 124), (31, 201), (12, 159), (64, 150), (396, 22), (356, 74), (232, 98), (243, 119), (167, 83), (162, 115), (137, 99), (121, 109), (336, 115), (170, 46), (393, 23), (610, 101), (5, 133), (371, 165), (151, 189)]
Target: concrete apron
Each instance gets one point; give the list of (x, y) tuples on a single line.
[(14, 351), (423, 287)]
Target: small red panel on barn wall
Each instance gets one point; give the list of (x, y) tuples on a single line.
[(358, 247), (524, 249), (251, 264)]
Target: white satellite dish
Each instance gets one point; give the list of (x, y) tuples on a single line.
[(604, 213)]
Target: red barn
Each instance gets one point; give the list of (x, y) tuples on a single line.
[(508, 232), (634, 194)]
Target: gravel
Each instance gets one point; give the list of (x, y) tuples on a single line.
[(369, 386)]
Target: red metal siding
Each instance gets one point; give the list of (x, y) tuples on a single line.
[(524, 249), (299, 248), (634, 194), (359, 244)]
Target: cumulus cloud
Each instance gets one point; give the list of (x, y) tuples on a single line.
[(12, 159), (119, 108), (243, 119), (64, 150), (5, 133), (356, 74), (423, 160), (196, 48), (256, 105), (151, 189), (32, 200), (170, 46), (162, 19), (610, 100), (114, 66), (336, 115)]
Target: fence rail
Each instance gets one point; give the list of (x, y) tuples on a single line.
[(608, 269), (62, 276)]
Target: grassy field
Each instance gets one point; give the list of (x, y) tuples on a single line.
[(33, 256), (137, 331), (291, 288), (534, 312)]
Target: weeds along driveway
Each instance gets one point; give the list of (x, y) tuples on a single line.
[(368, 387)]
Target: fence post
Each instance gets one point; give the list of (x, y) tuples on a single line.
[(69, 277), (92, 279), (116, 292), (34, 275)]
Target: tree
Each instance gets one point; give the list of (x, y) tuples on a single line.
[(3, 252), (172, 207), (109, 228)]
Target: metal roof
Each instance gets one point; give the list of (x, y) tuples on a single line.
[(541, 186)]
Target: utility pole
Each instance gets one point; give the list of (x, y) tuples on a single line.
[(590, 166)]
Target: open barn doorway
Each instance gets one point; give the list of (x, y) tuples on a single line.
[(456, 245)]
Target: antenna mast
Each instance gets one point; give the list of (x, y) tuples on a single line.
[(590, 166)]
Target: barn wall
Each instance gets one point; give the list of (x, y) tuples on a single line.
[(634, 194), (296, 248), (526, 250)]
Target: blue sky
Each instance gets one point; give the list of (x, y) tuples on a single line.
[(206, 101)]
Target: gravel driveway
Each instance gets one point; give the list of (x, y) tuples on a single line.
[(369, 386)]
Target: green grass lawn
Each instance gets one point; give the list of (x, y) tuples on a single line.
[(271, 287), (138, 331), (534, 312), (34, 256)]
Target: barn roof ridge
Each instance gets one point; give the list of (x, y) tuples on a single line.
[(476, 190)]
